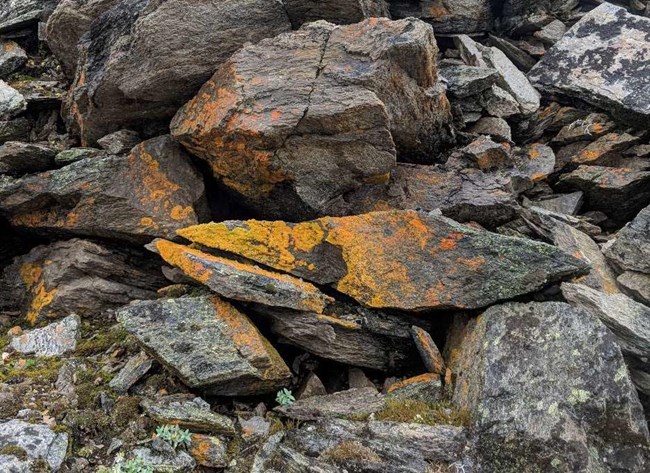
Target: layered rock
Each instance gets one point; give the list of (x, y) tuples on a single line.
[(17, 14), (293, 123), (631, 249), (354, 11), (458, 16)]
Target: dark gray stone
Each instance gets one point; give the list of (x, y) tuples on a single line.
[(18, 14), (457, 16), (631, 249), (464, 81), (17, 158), (334, 11), (12, 58)]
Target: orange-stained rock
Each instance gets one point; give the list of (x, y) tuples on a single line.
[(396, 259), (426, 387), (208, 451), (428, 350)]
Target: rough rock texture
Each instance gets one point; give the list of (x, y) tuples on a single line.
[(12, 57), (11, 101), (353, 402), (464, 81), (208, 451), (150, 193), (142, 59), (131, 373), (189, 413), (602, 60), (631, 249), (536, 401), (384, 259), (16, 14), (166, 461), (636, 285), (54, 339), (457, 16), (76, 276), (37, 440), (17, 158), (347, 98), (334, 11), (208, 343), (428, 350)]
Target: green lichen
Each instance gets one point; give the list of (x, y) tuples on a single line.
[(15, 451)]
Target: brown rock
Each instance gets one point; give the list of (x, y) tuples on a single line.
[(428, 350), (208, 451)]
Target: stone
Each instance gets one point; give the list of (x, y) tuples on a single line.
[(17, 129), (499, 103), (568, 204), (605, 151), (551, 33), (243, 282), (12, 58), (133, 370), (177, 332), (383, 259), (12, 464), (534, 378), (425, 387), (11, 101), (631, 248), (73, 155), (147, 194), (330, 122), (311, 386), (18, 14), (497, 128), (593, 126), (208, 451), (428, 350), (37, 440), (18, 158), (342, 404), (168, 462), (188, 412), (357, 379), (53, 340), (520, 58), (158, 53), (482, 153), (635, 285), (119, 142), (465, 81), (602, 60), (41, 94), (255, 428), (528, 14), (459, 16), (354, 11), (77, 276), (535, 161)]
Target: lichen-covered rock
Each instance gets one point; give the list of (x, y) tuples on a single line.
[(334, 11), (17, 158), (17, 14), (342, 404), (131, 372), (428, 350), (293, 123), (142, 59), (396, 259), (150, 193), (52, 340), (631, 249), (11, 101), (457, 16), (208, 451), (37, 440), (426, 387), (535, 377), (12, 57), (208, 343), (166, 461), (602, 60), (188, 412)]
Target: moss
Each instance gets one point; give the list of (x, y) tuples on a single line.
[(351, 452), (126, 409), (101, 342), (43, 370), (14, 450), (420, 412), (276, 425), (4, 342)]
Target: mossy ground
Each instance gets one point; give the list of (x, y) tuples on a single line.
[(420, 412)]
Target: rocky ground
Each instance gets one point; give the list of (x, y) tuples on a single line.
[(324, 236)]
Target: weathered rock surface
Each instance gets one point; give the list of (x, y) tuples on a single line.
[(17, 158), (354, 11), (11, 101), (464, 81), (150, 193), (166, 461), (208, 343), (292, 141), (37, 440), (536, 401), (143, 58), (208, 451), (12, 57), (17, 14), (428, 350), (426, 387), (131, 373), (342, 404), (55, 339), (458, 16), (636, 285), (602, 60), (189, 413), (384, 259), (631, 249)]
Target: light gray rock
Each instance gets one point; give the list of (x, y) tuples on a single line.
[(568, 204), (464, 81), (12, 58), (166, 462), (18, 14), (520, 58), (497, 128), (53, 340), (17, 158), (11, 464), (631, 249), (636, 285), (188, 412), (119, 142), (11, 101), (551, 33), (499, 103), (342, 404), (73, 155), (38, 441), (133, 370)]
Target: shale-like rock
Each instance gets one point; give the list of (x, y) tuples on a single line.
[(457, 16), (17, 14), (208, 343), (631, 249), (142, 59), (188, 412), (293, 123), (37, 440), (148, 194), (133, 370), (353, 402), (385, 259), (76, 276), (334, 11), (17, 158), (11, 101), (12, 57), (536, 399), (636, 285), (603, 61), (464, 81), (428, 350), (55, 339)]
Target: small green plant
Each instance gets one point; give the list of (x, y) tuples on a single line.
[(174, 435), (134, 465), (285, 397)]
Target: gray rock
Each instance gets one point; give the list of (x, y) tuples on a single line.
[(166, 462), (568, 204), (551, 33), (426, 388), (464, 81), (17, 158), (53, 340), (17, 129), (499, 103), (458, 16), (133, 370), (188, 412), (311, 386), (119, 142), (496, 128), (11, 464), (254, 428), (357, 379), (586, 128), (428, 350), (11, 101), (73, 155), (519, 57), (631, 249), (611, 45), (12, 58), (334, 11), (534, 378), (17, 14), (38, 441), (636, 285), (342, 404), (178, 332)]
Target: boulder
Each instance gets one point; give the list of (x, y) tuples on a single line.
[(631, 248), (534, 162), (52, 340), (291, 140), (334, 11), (37, 440), (17, 158), (142, 59), (148, 194), (18, 14), (384, 259), (208, 343), (534, 378), (458, 16), (568, 204), (12, 58), (426, 387), (602, 60)]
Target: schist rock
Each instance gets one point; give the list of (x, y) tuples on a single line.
[(458, 16), (631, 248)]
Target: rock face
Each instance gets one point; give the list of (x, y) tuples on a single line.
[(16, 14), (37, 440), (384, 259), (148, 194), (602, 60), (18, 158), (159, 54), (208, 343), (458, 16), (536, 400), (631, 249), (354, 11), (347, 99), (52, 340)]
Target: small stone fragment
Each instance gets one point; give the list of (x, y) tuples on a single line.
[(353, 402), (119, 142), (636, 285), (73, 155), (133, 370), (568, 204), (496, 128), (254, 428), (428, 350), (425, 387), (631, 249), (18, 158), (499, 103), (464, 81), (188, 412), (551, 33), (334, 11), (53, 340)]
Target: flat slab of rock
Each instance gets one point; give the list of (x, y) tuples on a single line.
[(636, 285), (148, 194), (188, 413), (384, 259), (334, 11), (631, 249), (133, 370), (342, 404), (428, 350), (17, 158), (53, 340), (38, 441), (208, 343), (602, 60)]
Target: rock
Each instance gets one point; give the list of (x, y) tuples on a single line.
[(12, 464), (482, 153), (425, 387), (119, 142), (53, 340), (459, 16), (499, 103), (240, 360), (11, 101), (15, 130), (241, 281), (520, 58), (618, 192), (73, 155), (593, 126), (255, 428), (168, 462), (606, 150), (41, 94), (77, 276), (354, 11), (607, 43), (311, 386), (534, 162), (17, 14), (12, 58), (568, 204), (148, 194), (534, 378), (18, 158), (158, 54), (527, 14), (208, 451), (331, 122), (37, 440), (133, 370), (551, 33), (428, 350), (496, 128), (636, 285), (381, 259), (465, 81), (631, 249), (353, 402), (188, 412), (357, 379)]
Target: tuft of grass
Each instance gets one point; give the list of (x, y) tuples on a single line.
[(420, 412), (43, 370)]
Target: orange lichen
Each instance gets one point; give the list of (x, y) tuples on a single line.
[(202, 448), (423, 378), (31, 274), (432, 353)]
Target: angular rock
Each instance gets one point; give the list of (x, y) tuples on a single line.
[(568, 204), (148, 194), (518, 56), (41, 94), (17, 14), (292, 142), (383, 259), (159, 54), (241, 281), (15, 130), (119, 142), (496, 128), (428, 350), (133, 370), (12, 464), (168, 461), (73, 155), (208, 451), (535, 162), (464, 81), (482, 153), (12, 58), (425, 387), (636, 285), (458, 16), (551, 33), (18, 158), (334, 11), (11, 101), (311, 386), (38, 441), (499, 103), (77, 276), (357, 379), (535, 377), (602, 60), (593, 126), (208, 343), (631, 249), (353, 402), (53, 340), (188, 412), (606, 150)]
